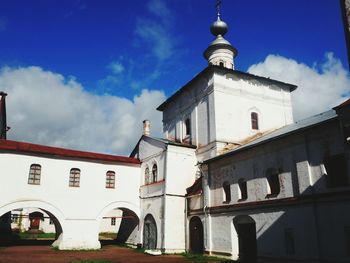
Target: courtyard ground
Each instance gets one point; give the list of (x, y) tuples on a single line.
[(108, 254)]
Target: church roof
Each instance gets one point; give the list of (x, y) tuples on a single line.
[(213, 68), (282, 132), (36, 149)]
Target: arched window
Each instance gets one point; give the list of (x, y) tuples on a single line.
[(227, 192), (272, 176), (34, 174), (110, 179), (154, 173), (74, 177), (243, 191), (147, 181), (254, 120), (221, 63)]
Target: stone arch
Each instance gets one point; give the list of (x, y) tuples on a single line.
[(129, 222), (196, 235), (56, 214), (246, 232), (149, 232)]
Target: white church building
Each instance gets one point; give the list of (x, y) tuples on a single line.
[(233, 175)]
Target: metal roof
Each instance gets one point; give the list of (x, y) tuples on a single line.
[(284, 131)]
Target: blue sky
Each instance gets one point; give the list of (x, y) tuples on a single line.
[(81, 38), (138, 52)]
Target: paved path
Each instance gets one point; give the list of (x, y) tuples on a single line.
[(40, 254)]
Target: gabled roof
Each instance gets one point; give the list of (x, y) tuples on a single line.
[(29, 148), (343, 105), (163, 141), (213, 68), (282, 132)]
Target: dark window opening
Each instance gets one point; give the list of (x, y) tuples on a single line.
[(227, 192), (336, 169), (154, 173), (74, 177), (274, 182), (221, 64), (187, 127), (110, 179), (243, 189), (113, 221), (254, 120), (289, 239)]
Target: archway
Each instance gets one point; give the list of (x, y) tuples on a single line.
[(196, 235), (149, 232), (26, 222), (246, 231)]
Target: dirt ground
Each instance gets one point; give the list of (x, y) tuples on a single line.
[(39, 254)]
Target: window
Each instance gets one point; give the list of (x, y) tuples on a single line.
[(289, 241), (187, 127), (113, 221), (147, 181), (254, 120), (110, 179), (243, 191), (336, 169), (227, 192), (51, 221), (272, 176), (34, 174), (74, 177), (221, 63), (154, 173), (14, 218)]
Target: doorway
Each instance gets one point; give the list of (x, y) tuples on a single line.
[(149, 233), (196, 235)]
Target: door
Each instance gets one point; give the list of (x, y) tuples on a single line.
[(196, 235), (149, 233), (247, 242), (35, 218)]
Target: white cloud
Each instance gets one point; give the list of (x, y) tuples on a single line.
[(320, 87), (116, 67), (46, 108)]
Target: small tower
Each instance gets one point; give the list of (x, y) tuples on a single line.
[(220, 52)]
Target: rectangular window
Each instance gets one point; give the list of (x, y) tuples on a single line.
[(74, 177), (289, 240), (110, 179), (113, 221), (336, 169), (34, 174)]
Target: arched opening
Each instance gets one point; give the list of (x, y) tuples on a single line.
[(149, 232), (254, 121), (246, 231), (29, 226), (274, 187), (154, 173), (196, 235), (226, 187), (118, 225)]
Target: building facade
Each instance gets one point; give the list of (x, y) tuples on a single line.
[(234, 175)]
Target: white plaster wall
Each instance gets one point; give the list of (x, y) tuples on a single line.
[(106, 225), (235, 99), (79, 209)]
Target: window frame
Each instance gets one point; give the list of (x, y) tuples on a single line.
[(147, 178), (243, 189), (154, 173), (34, 177), (254, 120), (113, 221), (110, 179), (74, 180)]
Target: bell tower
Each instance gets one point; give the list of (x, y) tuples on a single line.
[(220, 52)]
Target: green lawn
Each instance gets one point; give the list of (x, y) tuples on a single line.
[(28, 235)]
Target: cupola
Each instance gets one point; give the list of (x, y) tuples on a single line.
[(220, 52)]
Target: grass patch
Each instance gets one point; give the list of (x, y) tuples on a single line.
[(28, 235), (204, 259), (90, 261)]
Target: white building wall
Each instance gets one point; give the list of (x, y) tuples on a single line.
[(78, 210)]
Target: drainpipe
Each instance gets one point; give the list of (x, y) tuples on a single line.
[(164, 197)]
